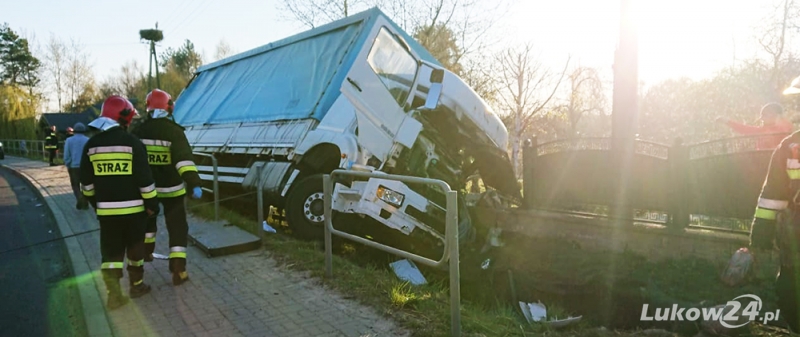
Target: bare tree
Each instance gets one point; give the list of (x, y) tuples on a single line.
[(780, 25), (223, 50), (78, 75), (585, 96), (527, 87), (55, 65), (313, 13)]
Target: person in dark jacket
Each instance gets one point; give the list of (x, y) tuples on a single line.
[(170, 158), (51, 145), (118, 183)]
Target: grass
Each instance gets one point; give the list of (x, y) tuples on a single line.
[(541, 268)]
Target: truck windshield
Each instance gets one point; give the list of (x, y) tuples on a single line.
[(393, 64)]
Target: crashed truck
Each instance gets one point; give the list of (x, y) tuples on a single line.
[(355, 94)]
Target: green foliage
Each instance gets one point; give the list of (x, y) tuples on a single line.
[(17, 65), (17, 114), (441, 42), (182, 61)]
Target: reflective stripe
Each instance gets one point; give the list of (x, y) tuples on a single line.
[(156, 142), (138, 282), (793, 174), (149, 240), (110, 149), (149, 237), (157, 148), (772, 204), (149, 195), (89, 193), (120, 207), (170, 192), (136, 263), (148, 192), (766, 214), (112, 265), (111, 156), (792, 164), (120, 204), (89, 187), (177, 252), (185, 166)]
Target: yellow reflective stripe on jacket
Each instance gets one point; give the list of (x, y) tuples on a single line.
[(88, 190), (157, 148), (177, 252), (111, 156), (148, 192), (111, 265), (185, 166), (120, 207), (171, 192), (111, 160), (766, 214), (793, 174)]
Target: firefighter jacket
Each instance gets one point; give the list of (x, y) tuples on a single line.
[(776, 214), (51, 141), (169, 156), (115, 177)]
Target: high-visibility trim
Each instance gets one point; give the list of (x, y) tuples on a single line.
[(89, 187), (793, 174), (157, 148), (112, 167), (148, 188), (766, 214), (171, 192), (136, 283), (149, 240), (185, 166), (792, 163), (156, 142), (111, 156), (120, 207), (110, 149), (149, 195), (177, 252), (138, 263), (89, 193), (149, 237), (112, 265), (772, 204)]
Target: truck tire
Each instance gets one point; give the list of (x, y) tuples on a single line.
[(305, 208)]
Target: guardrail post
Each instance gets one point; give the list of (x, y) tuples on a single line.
[(260, 200), (530, 152), (455, 274), (216, 188), (327, 193)]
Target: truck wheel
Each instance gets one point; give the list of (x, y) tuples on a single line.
[(305, 208)]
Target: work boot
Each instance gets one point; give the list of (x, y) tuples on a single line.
[(139, 290), (116, 300), (179, 278)]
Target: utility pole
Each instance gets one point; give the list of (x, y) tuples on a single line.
[(153, 36)]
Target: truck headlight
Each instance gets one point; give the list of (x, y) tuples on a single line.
[(390, 197)]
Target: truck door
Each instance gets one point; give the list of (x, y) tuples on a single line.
[(379, 85)]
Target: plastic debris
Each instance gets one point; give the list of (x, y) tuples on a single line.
[(267, 228), (485, 264), (537, 312), (39, 205), (407, 271), (160, 257)]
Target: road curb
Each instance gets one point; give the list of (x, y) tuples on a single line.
[(97, 321)]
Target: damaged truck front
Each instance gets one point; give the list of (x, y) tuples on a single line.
[(356, 94)]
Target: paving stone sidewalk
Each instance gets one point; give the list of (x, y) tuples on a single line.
[(246, 294)]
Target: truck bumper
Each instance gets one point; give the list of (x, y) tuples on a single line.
[(362, 198)]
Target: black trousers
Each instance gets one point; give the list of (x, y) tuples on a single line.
[(786, 289), (75, 182), (52, 154), (178, 229), (122, 235)]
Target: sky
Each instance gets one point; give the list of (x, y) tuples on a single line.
[(691, 38)]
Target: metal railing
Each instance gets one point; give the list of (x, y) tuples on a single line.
[(215, 183), (31, 148), (450, 245)]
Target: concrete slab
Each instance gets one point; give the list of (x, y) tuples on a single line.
[(218, 238)]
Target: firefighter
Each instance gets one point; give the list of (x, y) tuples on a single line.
[(51, 144), (777, 216), (170, 158), (118, 183)]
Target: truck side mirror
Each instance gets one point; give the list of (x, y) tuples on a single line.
[(435, 91)]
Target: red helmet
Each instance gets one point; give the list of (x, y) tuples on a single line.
[(119, 109), (159, 99)]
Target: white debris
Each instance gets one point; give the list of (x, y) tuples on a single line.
[(160, 257), (39, 205), (537, 312), (267, 228), (407, 271)]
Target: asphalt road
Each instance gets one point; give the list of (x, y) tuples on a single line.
[(38, 294)]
